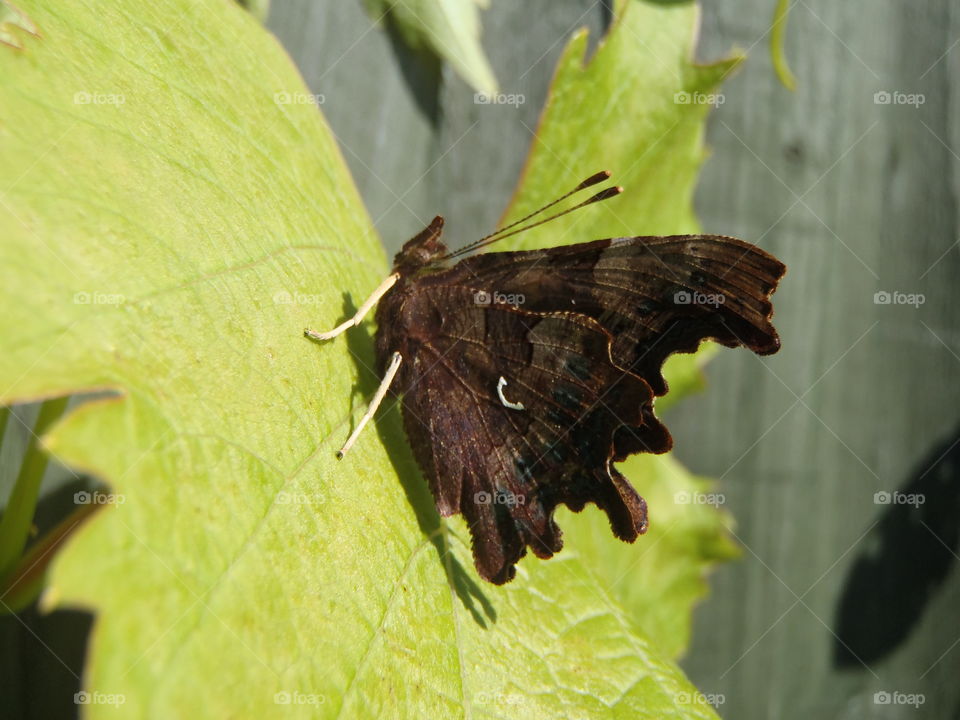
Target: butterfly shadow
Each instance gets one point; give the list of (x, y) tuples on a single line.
[(390, 429), (907, 556)]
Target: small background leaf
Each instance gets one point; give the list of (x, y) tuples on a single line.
[(448, 28)]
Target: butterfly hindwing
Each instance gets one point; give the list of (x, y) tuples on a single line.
[(516, 412)]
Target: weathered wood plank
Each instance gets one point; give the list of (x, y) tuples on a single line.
[(880, 215)]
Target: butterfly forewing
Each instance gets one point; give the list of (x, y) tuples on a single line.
[(655, 295)]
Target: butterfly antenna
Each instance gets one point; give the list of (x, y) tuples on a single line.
[(487, 239), (604, 194)]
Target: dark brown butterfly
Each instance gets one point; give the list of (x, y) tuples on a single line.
[(526, 375)]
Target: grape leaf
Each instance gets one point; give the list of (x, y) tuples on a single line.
[(174, 212)]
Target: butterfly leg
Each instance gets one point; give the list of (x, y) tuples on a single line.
[(374, 403), (358, 316)]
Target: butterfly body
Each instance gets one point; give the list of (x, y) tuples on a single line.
[(525, 375)]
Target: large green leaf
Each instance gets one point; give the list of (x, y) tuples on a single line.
[(174, 212)]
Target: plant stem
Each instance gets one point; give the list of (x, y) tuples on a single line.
[(777, 32), (18, 516), (4, 414)]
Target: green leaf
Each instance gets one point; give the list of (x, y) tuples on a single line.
[(448, 28), (175, 211), (658, 580), (638, 109)]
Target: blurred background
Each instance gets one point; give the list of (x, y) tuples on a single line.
[(840, 456)]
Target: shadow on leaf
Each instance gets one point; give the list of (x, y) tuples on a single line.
[(390, 429), (45, 652)]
